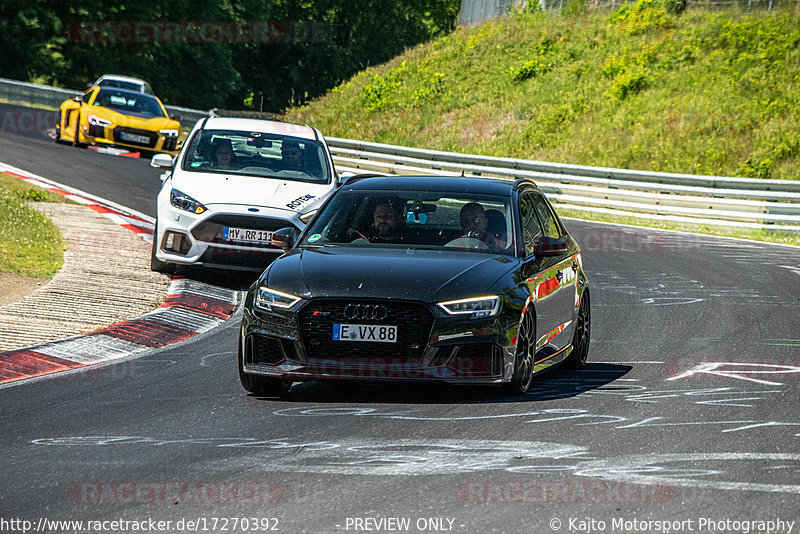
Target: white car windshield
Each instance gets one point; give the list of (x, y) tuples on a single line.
[(257, 154), (415, 219)]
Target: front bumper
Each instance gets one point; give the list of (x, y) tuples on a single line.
[(113, 136), (454, 350), (186, 239)]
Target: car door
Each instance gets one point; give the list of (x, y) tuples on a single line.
[(561, 277), (540, 278)]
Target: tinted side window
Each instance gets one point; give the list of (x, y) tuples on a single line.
[(531, 228), (550, 226)]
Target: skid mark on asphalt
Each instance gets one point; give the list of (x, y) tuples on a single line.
[(671, 289), (730, 471)]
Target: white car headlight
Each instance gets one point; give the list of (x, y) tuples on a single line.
[(182, 201), (267, 299), (94, 120), (477, 307), (169, 133)]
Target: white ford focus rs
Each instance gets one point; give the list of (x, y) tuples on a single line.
[(232, 185)]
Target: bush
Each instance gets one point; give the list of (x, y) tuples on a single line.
[(380, 87), (529, 69), (642, 17), (629, 83)]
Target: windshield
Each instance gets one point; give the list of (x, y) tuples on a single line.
[(257, 154), (125, 84), (415, 219), (129, 103)]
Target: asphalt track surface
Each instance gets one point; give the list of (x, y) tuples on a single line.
[(687, 413)]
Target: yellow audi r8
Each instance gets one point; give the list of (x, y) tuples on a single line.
[(110, 116)]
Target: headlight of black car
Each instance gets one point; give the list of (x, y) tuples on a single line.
[(267, 299), (476, 308)]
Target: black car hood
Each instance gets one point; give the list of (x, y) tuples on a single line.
[(424, 275)]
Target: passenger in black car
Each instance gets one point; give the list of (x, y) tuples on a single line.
[(475, 224)]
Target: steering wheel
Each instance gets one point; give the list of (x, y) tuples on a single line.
[(470, 243)]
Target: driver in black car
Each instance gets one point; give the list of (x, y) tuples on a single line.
[(475, 224), (388, 224)]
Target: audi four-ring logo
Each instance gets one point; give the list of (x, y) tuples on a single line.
[(374, 312)]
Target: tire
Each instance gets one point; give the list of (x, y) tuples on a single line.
[(261, 386), (523, 361), (76, 141), (582, 335), (157, 265), (58, 131)]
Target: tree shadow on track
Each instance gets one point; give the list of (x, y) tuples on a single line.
[(551, 385)]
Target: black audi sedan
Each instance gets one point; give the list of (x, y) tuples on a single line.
[(419, 278)]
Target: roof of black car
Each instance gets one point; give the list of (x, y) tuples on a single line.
[(461, 184)]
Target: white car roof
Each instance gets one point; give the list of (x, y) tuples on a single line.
[(263, 126), (121, 78)]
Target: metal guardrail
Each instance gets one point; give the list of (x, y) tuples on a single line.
[(711, 200)]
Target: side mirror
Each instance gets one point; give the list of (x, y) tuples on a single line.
[(162, 161), (549, 246), (176, 117), (285, 238)]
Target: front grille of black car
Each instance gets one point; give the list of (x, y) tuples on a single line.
[(413, 323), (152, 136), (211, 230), (251, 259), (263, 350)]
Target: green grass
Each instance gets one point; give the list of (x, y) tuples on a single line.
[(710, 92), (30, 244), (703, 92), (770, 236)]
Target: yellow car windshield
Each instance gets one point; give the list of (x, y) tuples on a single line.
[(129, 103)]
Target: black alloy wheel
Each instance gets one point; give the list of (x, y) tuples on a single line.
[(523, 362), (582, 335)]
